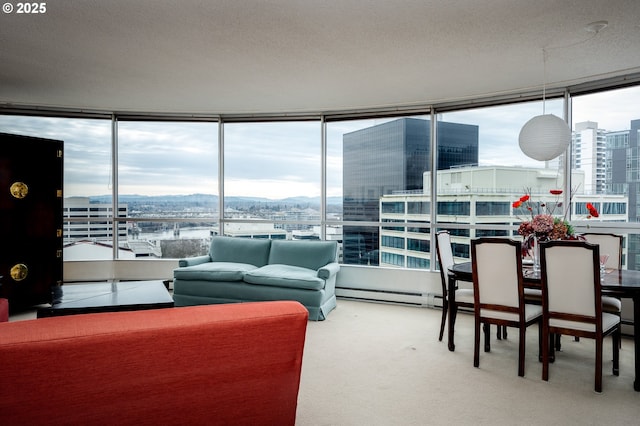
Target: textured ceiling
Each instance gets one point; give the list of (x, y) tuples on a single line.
[(278, 56)]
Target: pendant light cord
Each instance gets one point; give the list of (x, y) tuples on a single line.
[(544, 79)]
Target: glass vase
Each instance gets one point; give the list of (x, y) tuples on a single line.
[(536, 255)]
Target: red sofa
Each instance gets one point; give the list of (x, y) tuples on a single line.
[(236, 364)]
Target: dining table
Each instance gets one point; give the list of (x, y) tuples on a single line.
[(623, 283)]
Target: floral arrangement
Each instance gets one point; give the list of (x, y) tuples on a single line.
[(544, 225)]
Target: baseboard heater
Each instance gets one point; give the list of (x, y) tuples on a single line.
[(429, 300)]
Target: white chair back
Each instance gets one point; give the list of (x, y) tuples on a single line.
[(610, 244), (445, 254), (497, 275), (570, 272)]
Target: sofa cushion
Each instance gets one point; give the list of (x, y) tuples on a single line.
[(306, 254), (285, 276), (253, 251), (213, 271)]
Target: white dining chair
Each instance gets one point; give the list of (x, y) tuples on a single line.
[(498, 289), (572, 301), (610, 244), (463, 297)]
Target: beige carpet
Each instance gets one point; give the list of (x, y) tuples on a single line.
[(377, 364)]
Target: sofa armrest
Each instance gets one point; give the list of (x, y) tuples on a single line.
[(192, 261), (328, 270)]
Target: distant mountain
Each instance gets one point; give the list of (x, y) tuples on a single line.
[(210, 198)]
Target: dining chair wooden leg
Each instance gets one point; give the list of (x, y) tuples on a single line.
[(502, 332), (445, 308), (486, 328), (453, 313), (547, 344), (598, 386), (616, 352), (521, 348), (476, 343), (540, 339)]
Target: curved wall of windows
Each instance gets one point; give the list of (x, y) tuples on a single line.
[(159, 189)]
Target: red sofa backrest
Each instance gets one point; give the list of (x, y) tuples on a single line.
[(234, 364)]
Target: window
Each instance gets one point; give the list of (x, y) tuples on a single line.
[(395, 207), (272, 179), (419, 245), (168, 170), (392, 259), (501, 173), (419, 207), (383, 162), (377, 178), (87, 180), (492, 208), (454, 208), (418, 263), (605, 128), (393, 242)]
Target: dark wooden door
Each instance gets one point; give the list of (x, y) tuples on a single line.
[(31, 173)]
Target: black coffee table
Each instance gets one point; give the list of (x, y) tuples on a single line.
[(84, 298)]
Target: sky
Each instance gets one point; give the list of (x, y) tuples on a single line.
[(272, 160)]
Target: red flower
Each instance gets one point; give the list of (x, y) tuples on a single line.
[(556, 191), (593, 212), (524, 198), (516, 204)]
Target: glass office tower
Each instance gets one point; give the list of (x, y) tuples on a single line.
[(390, 158), (623, 177)]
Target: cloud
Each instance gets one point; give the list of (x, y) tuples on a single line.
[(275, 159)]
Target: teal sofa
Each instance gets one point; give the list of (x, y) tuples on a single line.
[(249, 270)]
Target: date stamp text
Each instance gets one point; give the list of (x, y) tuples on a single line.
[(33, 8)]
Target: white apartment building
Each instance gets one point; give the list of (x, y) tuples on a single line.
[(477, 201), (76, 228), (589, 151)]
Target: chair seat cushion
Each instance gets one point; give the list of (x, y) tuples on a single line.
[(611, 304), (530, 312), (608, 322), (464, 295), (533, 294)]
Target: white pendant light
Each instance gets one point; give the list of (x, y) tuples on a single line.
[(544, 137)]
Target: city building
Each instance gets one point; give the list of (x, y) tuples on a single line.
[(85, 220), (623, 177), (609, 160), (470, 206), (588, 154), (390, 157)]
